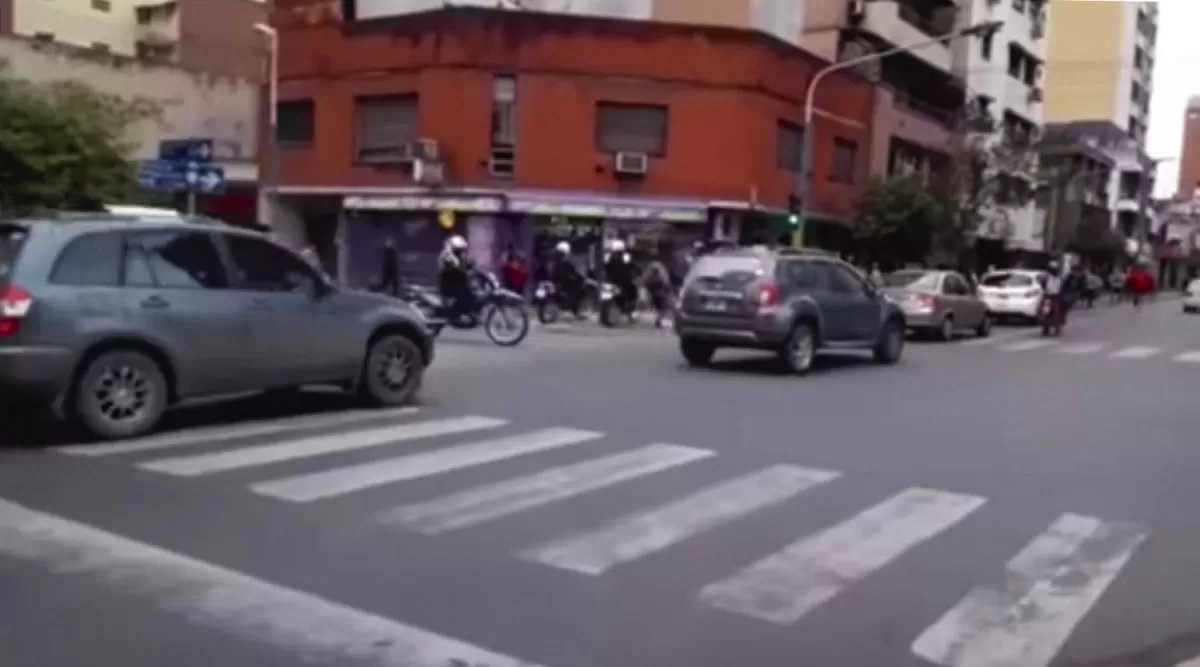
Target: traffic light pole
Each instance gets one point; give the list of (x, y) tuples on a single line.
[(804, 180)]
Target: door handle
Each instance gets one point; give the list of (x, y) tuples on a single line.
[(155, 303)]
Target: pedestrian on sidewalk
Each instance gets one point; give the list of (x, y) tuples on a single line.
[(515, 271), (389, 269)]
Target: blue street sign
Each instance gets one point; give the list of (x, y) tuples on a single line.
[(184, 150), (173, 176)]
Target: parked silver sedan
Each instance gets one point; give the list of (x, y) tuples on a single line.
[(939, 302)]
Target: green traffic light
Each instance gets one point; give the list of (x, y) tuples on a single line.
[(794, 220)]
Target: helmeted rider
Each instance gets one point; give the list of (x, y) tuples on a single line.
[(619, 270), (564, 274), (1054, 289), (454, 275)]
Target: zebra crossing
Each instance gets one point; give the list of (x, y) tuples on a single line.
[(1046, 590), (1087, 348)]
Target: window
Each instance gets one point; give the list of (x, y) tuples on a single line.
[(504, 106), (171, 259), (44, 36), (100, 47), (102, 5), (844, 281), (985, 46), (789, 151), (1014, 61), (800, 275), (631, 128), (93, 260), (1019, 5), (845, 160), (262, 266), (385, 124), (954, 285), (295, 118), (12, 238)]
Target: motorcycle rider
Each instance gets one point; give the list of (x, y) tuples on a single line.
[(567, 279), (618, 270), (1054, 291), (454, 276)]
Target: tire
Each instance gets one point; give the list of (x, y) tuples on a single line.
[(489, 322), (799, 350), (607, 313), (697, 353), (392, 372), (985, 326), (890, 346), (547, 312), (945, 331), (120, 394)]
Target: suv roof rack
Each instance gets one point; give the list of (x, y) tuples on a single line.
[(131, 216)]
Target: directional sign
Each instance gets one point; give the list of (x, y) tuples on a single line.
[(186, 150), (180, 176)]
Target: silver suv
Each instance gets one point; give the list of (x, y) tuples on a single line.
[(110, 320), (793, 302)]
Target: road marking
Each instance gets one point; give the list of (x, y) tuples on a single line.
[(1194, 662), (630, 538), (1081, 348), (994, 338), (340, 481), (785, 586), (191, 466), (1135, 352), (1048, 587), (1192, 357), (231, 432), (310, 627), (484, 503), (1027, 345)]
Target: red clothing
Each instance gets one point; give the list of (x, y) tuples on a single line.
[(1139, 282), (516, 274)]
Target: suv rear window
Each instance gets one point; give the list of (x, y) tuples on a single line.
[(12, 237), (1007, 280), (92, 260), (727, 272)]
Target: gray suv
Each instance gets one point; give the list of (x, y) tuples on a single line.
[(111, 320), (793, 302)]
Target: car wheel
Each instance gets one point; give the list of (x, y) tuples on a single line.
[(392, 371), (799, 350), (985, 326), (945, 331), (121, 394), (890, 346), (696, 352)]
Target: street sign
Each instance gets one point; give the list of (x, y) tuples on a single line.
[(186, 150), (174, 176)]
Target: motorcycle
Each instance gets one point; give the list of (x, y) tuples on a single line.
[(612, 303), (499, 311), (549, 301), (1051, 316)]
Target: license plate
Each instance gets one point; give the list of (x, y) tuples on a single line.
[(716, 305)]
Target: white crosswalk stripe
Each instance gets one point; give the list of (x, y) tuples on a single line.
[(1190, 357), (1050, 585), (340, 481), (1080, 349), (785, 586), (233, 432), (631, 538), (1135, 352), (190, 466), (256, 611), (478, 505), (1027, 345), (1194, 662)]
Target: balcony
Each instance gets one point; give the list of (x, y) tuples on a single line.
[(157, 26), (899, 23)]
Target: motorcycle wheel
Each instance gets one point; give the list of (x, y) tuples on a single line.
[(513, 319), (547, 311), (606, 314)]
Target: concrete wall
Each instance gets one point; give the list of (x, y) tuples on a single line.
[(77, 22), (1083, 66), (194, 105)]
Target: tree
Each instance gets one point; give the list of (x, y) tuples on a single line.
[(897, 219), (1096, 241), (65, 145)]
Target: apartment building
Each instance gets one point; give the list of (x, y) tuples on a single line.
[(1099, 63), (202, 35), (1189, 154)]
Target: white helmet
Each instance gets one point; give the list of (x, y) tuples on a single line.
[(563, 248), (457, 242), (617, 245)]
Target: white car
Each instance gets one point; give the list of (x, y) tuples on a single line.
[(1013, 293), (1191, 297)]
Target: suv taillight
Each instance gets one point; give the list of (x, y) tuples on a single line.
[(14, 306), (768, 293)]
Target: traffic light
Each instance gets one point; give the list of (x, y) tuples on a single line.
[(795, 218)]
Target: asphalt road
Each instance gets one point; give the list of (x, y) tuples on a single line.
[(586, 500)]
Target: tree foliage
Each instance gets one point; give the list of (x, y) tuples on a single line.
[(984, 176), (64, 145), (1096, 241)]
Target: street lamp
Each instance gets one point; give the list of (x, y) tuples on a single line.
[(806, 141), (272, 36)]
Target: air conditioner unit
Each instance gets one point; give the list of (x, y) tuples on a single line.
[(397, 154), (632, 164), (427, 172), (502, 167)]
